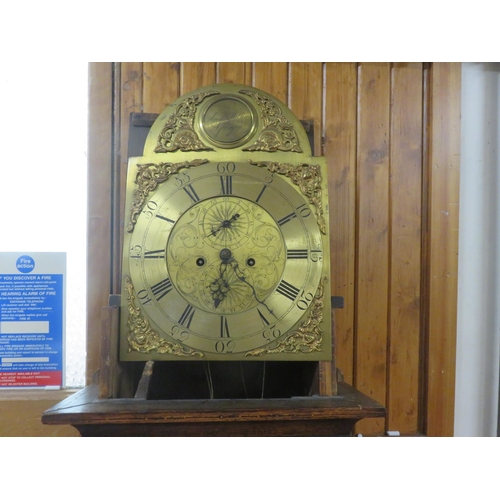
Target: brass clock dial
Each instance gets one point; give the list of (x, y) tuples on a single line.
[(226, 250), (225, 260)]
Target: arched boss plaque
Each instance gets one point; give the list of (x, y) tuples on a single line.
[(226, 251)]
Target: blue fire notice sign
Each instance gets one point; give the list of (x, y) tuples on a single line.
[(32, 303)]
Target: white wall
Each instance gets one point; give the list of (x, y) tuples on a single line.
[(478, 337)]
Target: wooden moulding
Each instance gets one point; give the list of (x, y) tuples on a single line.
[(307, 416)]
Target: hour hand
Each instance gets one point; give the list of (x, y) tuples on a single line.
[(219, 288), (225, 224)]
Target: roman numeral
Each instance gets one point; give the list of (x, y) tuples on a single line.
[(286, 219), (165, 219), (187, 316), (296, 254), (263, 318), (155, 254), (192, 193), (226, 182), (162, 288), (287, 290), (260, 194), (224, 329)]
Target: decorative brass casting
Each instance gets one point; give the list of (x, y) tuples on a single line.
[(142, 338), (149, 175), (306, 177), (178, 132), (277, 133), (308, 337)]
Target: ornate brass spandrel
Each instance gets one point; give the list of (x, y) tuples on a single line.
[(149, 175), (277, 132), (307, 177), (178, 132), (142, 338), (309, 336)]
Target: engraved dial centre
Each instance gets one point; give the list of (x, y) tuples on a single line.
[(226, 255)]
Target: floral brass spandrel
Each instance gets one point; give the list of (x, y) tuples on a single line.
[(149, 175), (142, 338), (307, 177), (309, 336), (178, 132), (277, 132)]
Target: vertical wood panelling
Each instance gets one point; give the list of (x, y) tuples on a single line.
[(340, 152), (161, 85), (99, 189), (443, 170), (405, 238), (392, 152), (130, 99), (234, 72), (195, 75), (305, 98), (372, 267), (272, 78)]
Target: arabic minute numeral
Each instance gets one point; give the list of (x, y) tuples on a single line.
[(143, 297), (151, 206), (182, 179), (316, 255), (305, 300), (271, 334), (179, 333), (228, 167), (224, 346)]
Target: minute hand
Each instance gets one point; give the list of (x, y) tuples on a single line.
[(241, 276)]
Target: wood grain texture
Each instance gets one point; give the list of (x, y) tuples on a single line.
[(372, 260), (305, 99), (234, 72), (99, 220), (443, 170), (405, 251), (129, 83), (223, 417), (340, 152), (272, 78), (195, 75), (161, 85)]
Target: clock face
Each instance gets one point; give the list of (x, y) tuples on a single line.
[(224, 259)]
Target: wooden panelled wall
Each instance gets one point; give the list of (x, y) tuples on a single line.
[(390, 133)]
